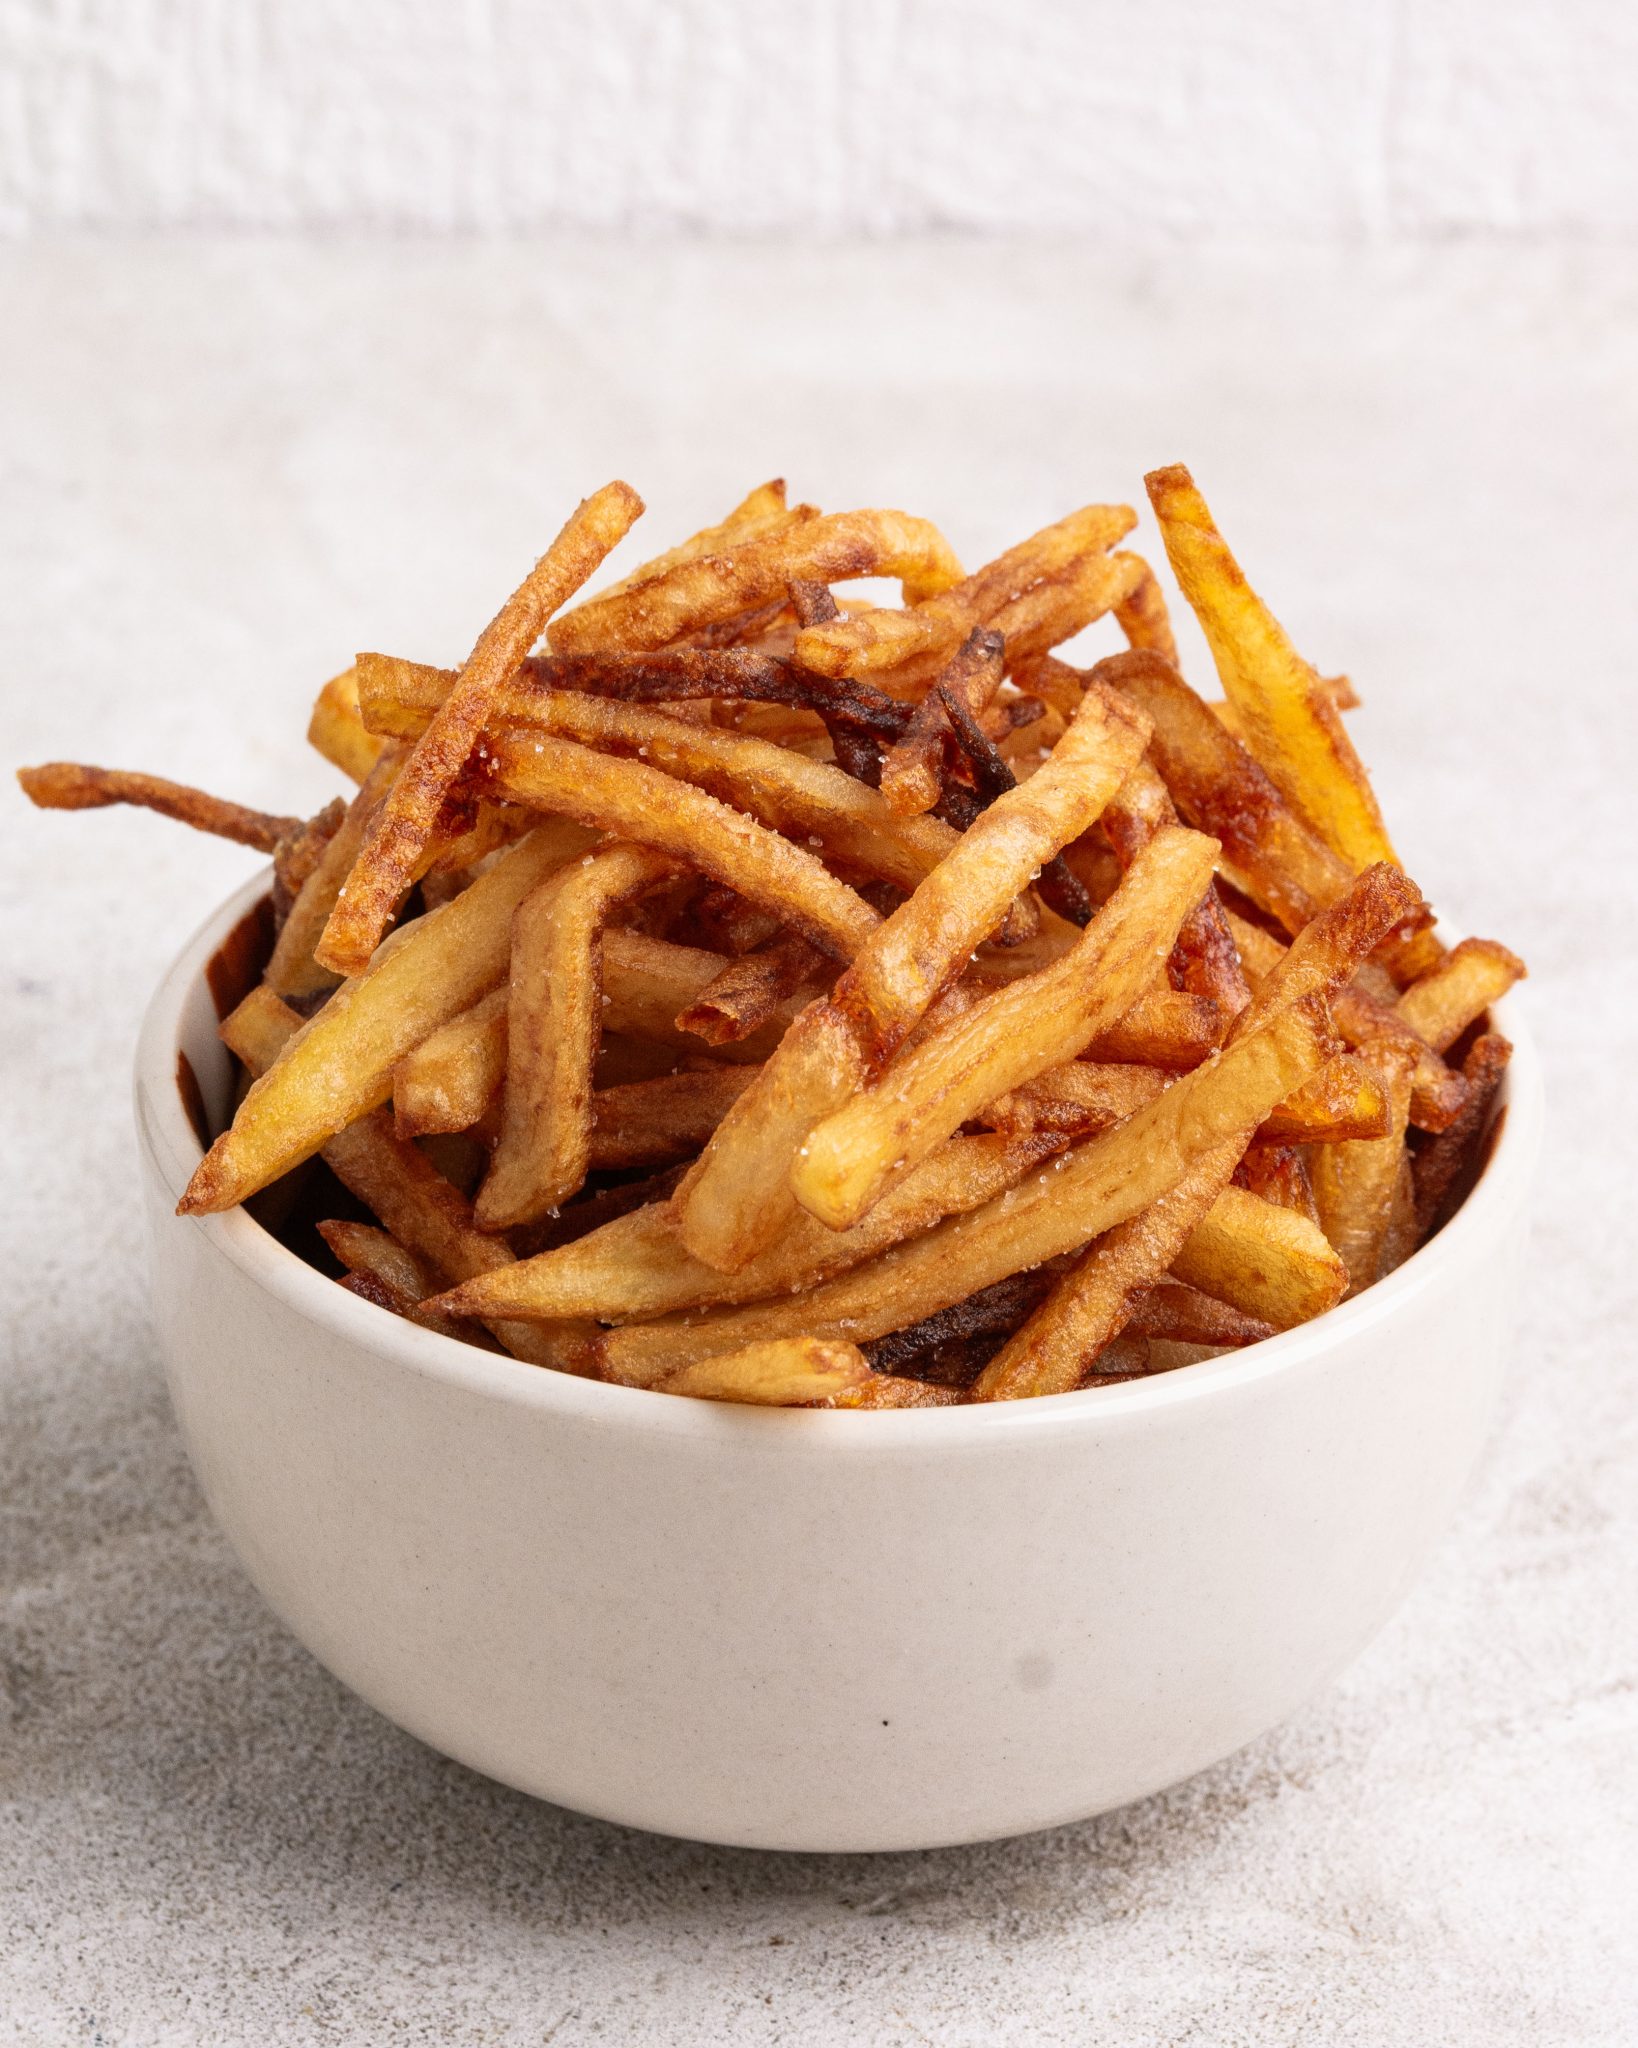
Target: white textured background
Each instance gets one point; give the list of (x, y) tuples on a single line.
[(1189, 118)]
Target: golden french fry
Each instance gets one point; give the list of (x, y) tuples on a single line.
[(748, 992), (1451, 996), (1333, 944), (1355, 1184), (427, 1214), (830, 549), (761, 511), (389, 860), (381, 1270), (1080, 1194), (554, 1023), (1142, 616), (912, 778), (340, 1063), (1172, 1313), (656, 1122), (1344, 1100), (637, 1266), (1268, 1259), (76, 786), (1076, 1100), (1023, 1030), (672, 817), (1093, 1302), (1290, 719), (293, 970), (337, 730), (1279, 1174), (882, 639), (789, 1372)]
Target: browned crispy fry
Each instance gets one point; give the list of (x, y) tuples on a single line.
[(883, 639), (1344, 1100), (1084, 1192), (299, 852), (1142, 615), (1059, 608), (384, 1272), (652, 1123), (1022, 1030), (76, 786), (390, 857), (1355, 1184), (912, 774), (1271, 1260), (750, 990), (337, 731), (1220, 789), (1093, 1302), (292, 970), (1279, 1174), (1329, 949), (1076, 1100), (658, 811), (1443, 1170), (554, 1022), (1447, 999), (340, 1064), (1171, 1313), (423, 1211), (1204, 960), (1290, 720), (831, 549)]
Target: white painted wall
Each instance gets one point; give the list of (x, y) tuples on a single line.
[(1415, 118)]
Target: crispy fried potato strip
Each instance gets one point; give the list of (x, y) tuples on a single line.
[(708, 588), (1356, 1184), (1446, 1000), (1444, 1169), (389, 860), (77, 786), (337, 729), (554, 1024), (1009, 1038), (293, 970), (1271, 1260)]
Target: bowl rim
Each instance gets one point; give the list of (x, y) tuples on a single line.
[(170, 1150)]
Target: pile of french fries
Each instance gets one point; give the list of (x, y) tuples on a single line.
[(722, 987)]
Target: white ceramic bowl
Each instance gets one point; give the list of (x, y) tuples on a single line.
[(808, 1630)]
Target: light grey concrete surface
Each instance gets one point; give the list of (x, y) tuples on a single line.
[(224, 469)]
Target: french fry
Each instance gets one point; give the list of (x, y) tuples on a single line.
[(1142, 615), (422, 1210), (1076, 1100), (656, 810), (1268, 1259), (1447, 999), (1172, 1313), (789, 1372), (1081, 1194), (340, 1064), (554, 1022), (1279, 1174), (1220, 789), (1092, 1304), (388, 861), (1355, 1184), (1344, 1100), (637, 1266), (337, 730), (699, 592), (1021, 1031), (883, 639), (382, 1271), (76, 786), (747, 994), (653, 1123), (738, 1198), (1443, 1169), (1332, 945), (1290, 719), (912, 776), (293, 970), (761, 511), (299, 852)]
